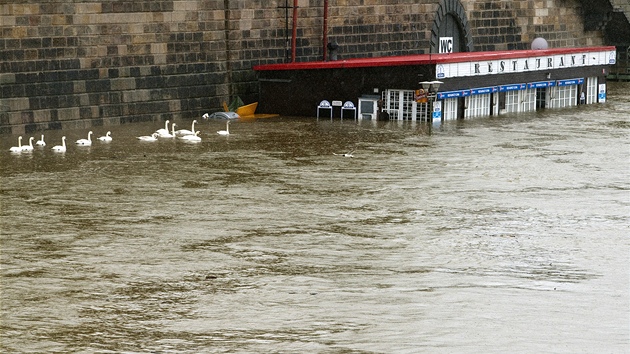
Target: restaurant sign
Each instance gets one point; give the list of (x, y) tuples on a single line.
[(521, 65)]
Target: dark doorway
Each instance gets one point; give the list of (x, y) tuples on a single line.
[(461, 107), (541, 98), (451, 27)]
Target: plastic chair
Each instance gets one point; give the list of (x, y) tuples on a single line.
[(348, 105), (325, 105)]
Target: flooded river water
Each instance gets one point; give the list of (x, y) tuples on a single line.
[(488, 235)]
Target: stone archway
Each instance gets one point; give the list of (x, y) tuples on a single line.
[(451, 21)]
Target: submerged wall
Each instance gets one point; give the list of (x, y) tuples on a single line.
[(83, 63)]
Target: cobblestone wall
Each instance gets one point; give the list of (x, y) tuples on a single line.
[(90, 62)]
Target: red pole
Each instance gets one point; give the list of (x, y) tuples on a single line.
[(294, 38), (325, 34)]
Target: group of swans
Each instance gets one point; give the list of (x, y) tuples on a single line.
[(57, 148), (186, 135), (183, 134), (25, 148), (88, 142)]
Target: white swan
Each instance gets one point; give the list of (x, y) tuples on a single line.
[(347, 154), (19, 147), (191, 138), (62, 147), (227, 129), (149, 138), (29, 147), (41, 141), (182, 132), (85, 142), (167, 134), (205, 116), (163, 130), (106, 138)]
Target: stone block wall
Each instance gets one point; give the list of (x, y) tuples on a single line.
[(514, 24), (91, 62), (76, 64)]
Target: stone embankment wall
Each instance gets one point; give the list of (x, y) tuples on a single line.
[(83, 63)]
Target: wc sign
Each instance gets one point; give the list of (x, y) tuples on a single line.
[(446, 45)]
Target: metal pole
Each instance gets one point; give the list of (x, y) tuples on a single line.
[(294, 38), (325, 30), (286, 28)]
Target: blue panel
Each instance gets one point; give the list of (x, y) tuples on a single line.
[(453, 94), (541, 84), (570, 82), (484, 90), (513, 87)]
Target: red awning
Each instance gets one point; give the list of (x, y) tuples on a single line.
[(427, 59)]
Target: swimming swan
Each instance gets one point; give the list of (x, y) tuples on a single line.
[(41, 141), (227, 129), (163, 130), (183, 132), (19, 147), (106, 138), (347, 154), (85, 142), (29, 147), (191, 138), (62, 147), (167, 134), (149, 138)]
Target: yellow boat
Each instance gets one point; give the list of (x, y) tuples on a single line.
[(247, 110)]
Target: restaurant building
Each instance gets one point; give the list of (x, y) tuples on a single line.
[(443, 86)]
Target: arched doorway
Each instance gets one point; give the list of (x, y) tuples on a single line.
[(451, 21)]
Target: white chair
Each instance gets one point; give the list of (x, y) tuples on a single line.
[(325, 105), (348, 105)]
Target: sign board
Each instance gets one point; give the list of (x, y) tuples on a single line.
[(514, 87), (541, 84), (446, 45), (437, 110), (601, 96), (521, 64), (453, 94), (484, 90), (337, 103), (570, 82), (421, 96)]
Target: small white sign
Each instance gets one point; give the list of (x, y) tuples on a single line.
[(337, 103), (437, 110), (602, 93), (446, 45)]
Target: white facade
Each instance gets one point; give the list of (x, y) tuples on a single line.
[(511, 98), (517, 98)]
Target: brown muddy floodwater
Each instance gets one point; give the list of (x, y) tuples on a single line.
[(489, 235)]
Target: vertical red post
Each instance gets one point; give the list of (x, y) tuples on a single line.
[(294, 38), (325, 34)]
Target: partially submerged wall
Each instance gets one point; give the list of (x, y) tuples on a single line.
[(83, 63)]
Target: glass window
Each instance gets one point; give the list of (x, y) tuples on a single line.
[(528, 100), (591, 90), (512, 101), (449, 109), (477, 106)]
